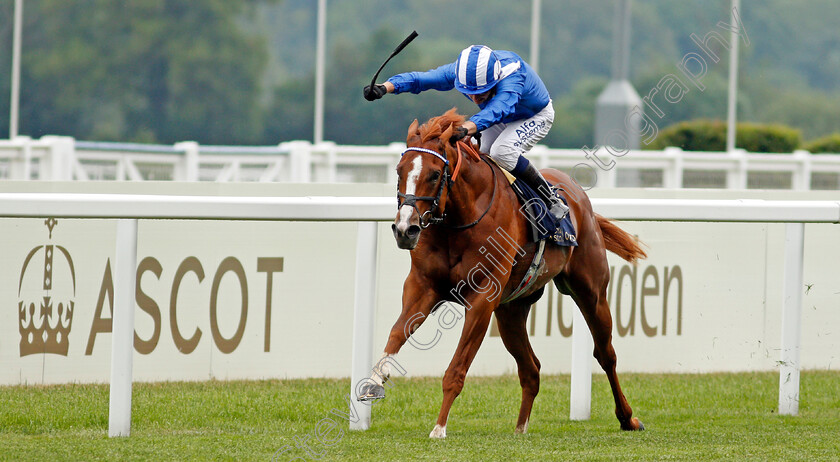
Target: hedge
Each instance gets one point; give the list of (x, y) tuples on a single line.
[(710, 135), (830, 143)]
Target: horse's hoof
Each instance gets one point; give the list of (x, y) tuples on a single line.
[(371, 392), (635, 425), (438, 432)]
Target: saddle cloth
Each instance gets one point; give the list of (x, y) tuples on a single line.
[(544, 225)]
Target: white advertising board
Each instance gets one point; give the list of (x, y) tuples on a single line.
[(203, 305), (231, 300)]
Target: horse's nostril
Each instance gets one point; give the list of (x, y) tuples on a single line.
[(413, 231)]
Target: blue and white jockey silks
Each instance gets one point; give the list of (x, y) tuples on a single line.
[(520, 111), (478, 70)]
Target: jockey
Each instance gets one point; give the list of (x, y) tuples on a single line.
[(515, 108)]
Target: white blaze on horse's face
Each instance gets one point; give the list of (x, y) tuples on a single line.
[(410, 188)]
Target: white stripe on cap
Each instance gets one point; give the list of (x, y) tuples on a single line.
[(462, 65), (481, 67)]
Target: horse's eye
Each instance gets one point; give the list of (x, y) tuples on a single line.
[(434, 176)]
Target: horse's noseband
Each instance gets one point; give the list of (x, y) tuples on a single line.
[(427, 218)]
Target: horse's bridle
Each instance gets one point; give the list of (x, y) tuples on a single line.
[(411, 199), (427, 218)]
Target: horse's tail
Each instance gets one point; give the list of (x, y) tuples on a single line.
[(620, 242)]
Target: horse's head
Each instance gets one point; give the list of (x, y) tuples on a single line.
[(424, 175)]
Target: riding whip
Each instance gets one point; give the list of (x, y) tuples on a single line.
[(396, 51)]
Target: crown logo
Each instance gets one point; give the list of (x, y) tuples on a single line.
[(45, 309)]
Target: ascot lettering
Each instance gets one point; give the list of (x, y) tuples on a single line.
[(637, 302), (186, 341)]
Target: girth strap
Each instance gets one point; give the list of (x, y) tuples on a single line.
[(529, 278)]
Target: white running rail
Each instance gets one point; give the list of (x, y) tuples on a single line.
[(66, 159)]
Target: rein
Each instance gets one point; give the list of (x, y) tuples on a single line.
[(427, 218), (489, 206)]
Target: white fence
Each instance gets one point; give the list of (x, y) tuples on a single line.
[(368, 210), (63, 158)]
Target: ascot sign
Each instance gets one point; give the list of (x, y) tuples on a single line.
[(46, 308)]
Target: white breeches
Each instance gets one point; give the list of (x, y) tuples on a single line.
[(508, 141)]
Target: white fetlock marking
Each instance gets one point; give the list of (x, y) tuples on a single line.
[(438, 432), (522, 429), (381, 373)]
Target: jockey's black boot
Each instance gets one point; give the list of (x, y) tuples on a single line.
[(535, 180)]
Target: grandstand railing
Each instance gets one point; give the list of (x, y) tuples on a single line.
[(64, 158), (128, 208)]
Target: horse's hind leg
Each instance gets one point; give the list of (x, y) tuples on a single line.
[(475, 326), (591, 298), (511, 320)]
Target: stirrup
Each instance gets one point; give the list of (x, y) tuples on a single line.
[(559, 210), (556, 206)]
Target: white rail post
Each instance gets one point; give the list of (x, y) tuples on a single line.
[(364, 309), (57, 165), (188, 168), (738, 176), (606, 178), (802, 170), (20, 166), (300, 161), (673, 177), (122, 336), (791, 319), (580, 399)]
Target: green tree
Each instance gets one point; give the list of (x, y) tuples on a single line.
[(145, 70), (241, 71), (574, 115)]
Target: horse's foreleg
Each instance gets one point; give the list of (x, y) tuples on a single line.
[(417, 304), (512, 328), (475, 326)]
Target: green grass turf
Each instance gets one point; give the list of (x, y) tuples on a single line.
[(688, 417)]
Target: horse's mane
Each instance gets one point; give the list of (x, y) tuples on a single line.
[(437, 127)]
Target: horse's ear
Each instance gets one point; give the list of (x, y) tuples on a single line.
[(447, 133), (444, 138), (413, 129)]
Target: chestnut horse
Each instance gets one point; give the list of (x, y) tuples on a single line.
[(470, 244)]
